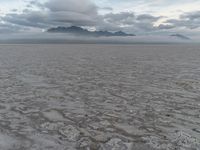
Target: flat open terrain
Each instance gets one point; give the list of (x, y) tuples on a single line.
[(99, 97)]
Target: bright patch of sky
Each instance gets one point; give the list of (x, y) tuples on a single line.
[(171, 8), (9, 5)]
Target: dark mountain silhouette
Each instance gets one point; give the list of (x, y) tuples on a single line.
[(180, 36), (84, 32)]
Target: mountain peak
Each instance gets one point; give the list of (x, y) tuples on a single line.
[(84, 32)]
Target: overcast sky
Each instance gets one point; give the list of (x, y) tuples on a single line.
[(143, 17)]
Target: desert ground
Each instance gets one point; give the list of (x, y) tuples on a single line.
[(100, 97)]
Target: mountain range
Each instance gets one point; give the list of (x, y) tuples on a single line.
[(180, 36), (79, 31), (84, 32)]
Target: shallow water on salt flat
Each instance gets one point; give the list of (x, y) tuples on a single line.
[(89, 97)]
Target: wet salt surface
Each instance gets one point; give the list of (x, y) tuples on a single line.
[(106, 97)]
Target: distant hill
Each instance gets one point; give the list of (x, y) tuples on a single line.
[(180, 36), (84, 32)]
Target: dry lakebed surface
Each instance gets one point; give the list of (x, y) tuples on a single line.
[(100, 97)]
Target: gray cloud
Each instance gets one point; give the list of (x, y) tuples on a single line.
[(55, 12), (29, 19), (123, 18), (191, 15), (132, 23), (148, 18), (189, 20), (72, 12), (83, 7), (165, 26), (126, 21), (10, 28), (106, 8), (73, 18), (35, 3)]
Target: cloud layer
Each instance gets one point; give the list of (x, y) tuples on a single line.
[(41, 15)]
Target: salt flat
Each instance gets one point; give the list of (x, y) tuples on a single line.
[(106, 97)]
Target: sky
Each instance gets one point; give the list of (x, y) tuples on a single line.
[(141, 17)]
